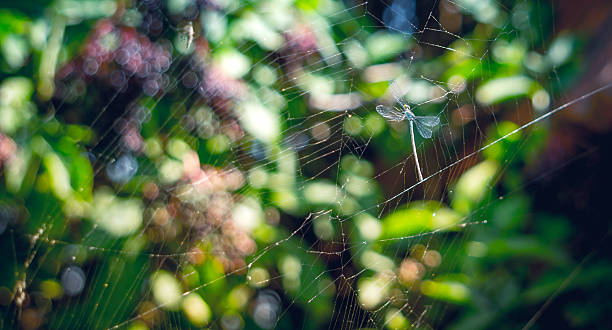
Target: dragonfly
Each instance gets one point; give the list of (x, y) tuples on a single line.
[(424, 124)]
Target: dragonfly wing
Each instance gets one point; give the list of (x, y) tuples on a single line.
[(424, 130), (390, 113), (429, 121), (397, 95)]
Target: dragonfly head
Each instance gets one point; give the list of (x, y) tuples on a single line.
[(407, 111)]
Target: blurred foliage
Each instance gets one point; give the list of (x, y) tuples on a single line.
[(155, 176)]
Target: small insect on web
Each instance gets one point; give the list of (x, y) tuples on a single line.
[(186, 32), (189, 34), (424, 124)]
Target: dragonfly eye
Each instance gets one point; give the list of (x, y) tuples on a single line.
[(406, 106)]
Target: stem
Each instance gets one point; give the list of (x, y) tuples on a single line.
[(414, 151)]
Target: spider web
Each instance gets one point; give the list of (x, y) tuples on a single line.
[(241, 181)]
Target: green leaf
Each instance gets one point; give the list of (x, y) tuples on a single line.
[(375, 89), (419, 218), (60, 177), (472, 186), (382, 46), (117, 216), (86, 9), (259, 121), (166, 290), (322, 192), (455, 292), (502, 89), (82, 176)]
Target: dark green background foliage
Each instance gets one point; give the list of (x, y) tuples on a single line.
[(220, 164)]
